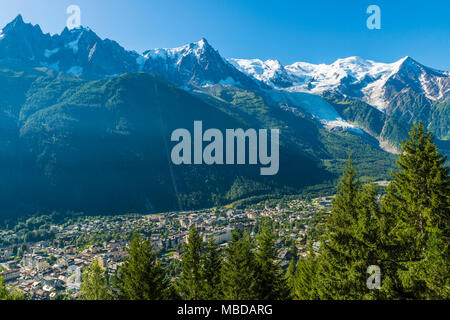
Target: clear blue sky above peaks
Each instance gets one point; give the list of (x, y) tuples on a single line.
[(318, 31)]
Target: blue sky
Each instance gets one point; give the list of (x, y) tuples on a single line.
[(317, 31)]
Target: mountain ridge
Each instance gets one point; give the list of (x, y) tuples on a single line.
[(297, 74), (390, 87)]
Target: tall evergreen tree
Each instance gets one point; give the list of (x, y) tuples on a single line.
[(94, 284), (141, 277), (191, 284), (271, 283), (338, 276), (238, 271), (372, 235), (7, 294), (356, 238), (212, 263), (290, 277), (305, 286), (418, 199)]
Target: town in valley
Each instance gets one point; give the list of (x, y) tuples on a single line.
[(44, 256)]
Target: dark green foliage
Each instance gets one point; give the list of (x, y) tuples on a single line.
[(407, 237), (372, 235), (355, 238), (141, 277), (212, 264), (339, 276), (94, 285), (419, 200), (191, 283), (290, 276), (439, 123), (239, 279), (34, 236), (271, 285), (305, 279)]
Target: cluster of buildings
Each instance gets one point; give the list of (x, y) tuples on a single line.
[(44, 271), (53, 268)]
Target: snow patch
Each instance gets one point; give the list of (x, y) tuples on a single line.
[(75, 70), (264, 71), (74, 44), (176, 55), (434, 88), (53, 66), (315, 105), (230, 81), (49, 53), (341, 123), (92, 51)]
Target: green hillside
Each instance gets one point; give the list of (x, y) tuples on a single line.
[(103, 147)]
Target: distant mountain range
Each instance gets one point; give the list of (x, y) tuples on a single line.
[(372, 82), (77, 115)]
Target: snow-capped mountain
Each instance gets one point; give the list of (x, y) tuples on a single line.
[(77, 51), (404, 89), (81, 52), (270, 72), (195, 64), (372, 82), (434, 84), (22, 41), (351, 76)]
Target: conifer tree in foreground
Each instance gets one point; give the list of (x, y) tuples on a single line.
[(238, 271), (339, 277), (212, 264), (356, 237), (418, 199), (94, 285), (191, 284), (141, 277), (372, 235), (305, 278), (290, 276), (271, 283)]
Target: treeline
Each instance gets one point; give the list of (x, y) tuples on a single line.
[(403, 237), (247, 269), (39, 220)]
